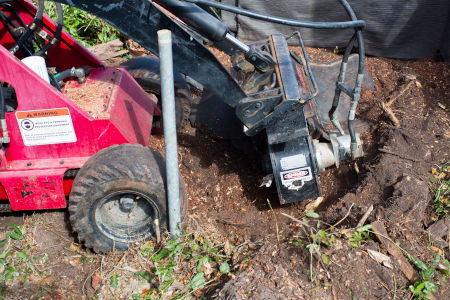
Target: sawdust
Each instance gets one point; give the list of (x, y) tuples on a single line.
[(90, 97)]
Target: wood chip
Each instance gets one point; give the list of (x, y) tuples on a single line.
[(381, 233), (380, 258), (108, 50), (315, 204), (439, 229)]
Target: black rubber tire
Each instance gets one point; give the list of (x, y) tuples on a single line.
[(145, 70), (95, 213)]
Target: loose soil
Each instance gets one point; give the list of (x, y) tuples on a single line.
[(224, 195)]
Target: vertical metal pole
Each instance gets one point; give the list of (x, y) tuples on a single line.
[(170, 131)]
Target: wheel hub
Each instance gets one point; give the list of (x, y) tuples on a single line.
[(126, 216), (127, 203)]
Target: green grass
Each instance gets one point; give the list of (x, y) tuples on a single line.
[(89, 30)]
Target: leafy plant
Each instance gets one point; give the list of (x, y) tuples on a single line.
[(89, 30), (114, 281), (208, 263), (441, 189), (423, 288), (360, 235), (314, 239), (16, 259)]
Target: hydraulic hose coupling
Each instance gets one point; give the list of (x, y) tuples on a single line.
[(5, 138)]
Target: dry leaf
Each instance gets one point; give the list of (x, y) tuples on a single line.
[(75, 248), (437, 250), (96, 281), (208, 268)]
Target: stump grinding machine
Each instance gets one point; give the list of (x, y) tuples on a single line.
[(54, 147)]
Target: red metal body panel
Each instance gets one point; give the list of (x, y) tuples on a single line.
[(32, 176)]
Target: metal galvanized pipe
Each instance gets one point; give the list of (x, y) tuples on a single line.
[(170, 131)]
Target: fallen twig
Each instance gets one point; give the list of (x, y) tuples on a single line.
[(341, 220), (275, 217), (402, 91), (231, 223), (295, 219), (387, 109), (386, 106), (365, 216)]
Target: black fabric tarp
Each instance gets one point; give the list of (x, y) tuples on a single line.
[(395, 28)]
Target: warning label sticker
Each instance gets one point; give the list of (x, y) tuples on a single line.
[(46, 127), (295, 179)]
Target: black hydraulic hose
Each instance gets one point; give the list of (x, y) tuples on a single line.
[(25, 49), (348, 9), (2, 102), (209, 10), (13, 11), (341, 79), (356, 93), (359, 39), (54, 82), (359, 78), (30, 29), (57, 35), (280, 20), (7, 21)]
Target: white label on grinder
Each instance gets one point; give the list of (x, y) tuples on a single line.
[(293, 161), (46, 127)]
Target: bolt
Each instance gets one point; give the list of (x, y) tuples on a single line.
[(257, 104), (247, 112), (126, 203)]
